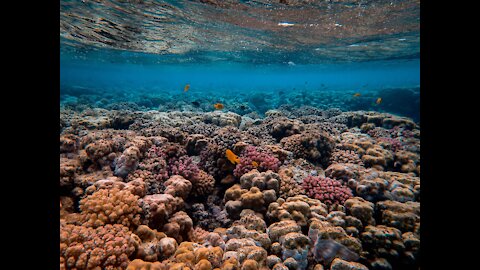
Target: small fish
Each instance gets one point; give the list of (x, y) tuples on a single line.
[(185, 89), (234, 159), (218, 106), (357, 94), (196, 103), (243, 107), (255, 164), (378, 101)]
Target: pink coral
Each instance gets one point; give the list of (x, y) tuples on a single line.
[(327, 190), (251, 154), (183, 166)]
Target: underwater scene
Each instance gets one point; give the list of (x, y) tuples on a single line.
[(209, 134)]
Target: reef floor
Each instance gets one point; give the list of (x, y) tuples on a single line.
[(304, 188)]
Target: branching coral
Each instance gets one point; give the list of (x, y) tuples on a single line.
[(183, 166)]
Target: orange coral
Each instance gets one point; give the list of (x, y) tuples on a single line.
[(249, 265), (203, 265), (111, 206), (138, 264), (107, 246)]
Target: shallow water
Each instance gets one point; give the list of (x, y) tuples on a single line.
[(224, 48), (286, 128)]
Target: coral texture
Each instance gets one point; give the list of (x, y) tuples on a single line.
[(105, 247), (327, 190)]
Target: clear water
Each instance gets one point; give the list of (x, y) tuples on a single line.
[(227, 48)]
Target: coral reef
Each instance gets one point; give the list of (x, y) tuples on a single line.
[(314, 188)]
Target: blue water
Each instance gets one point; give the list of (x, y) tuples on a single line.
[(237, 51), (226, 76)]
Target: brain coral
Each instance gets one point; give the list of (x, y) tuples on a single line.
[(327, 190), (106, 247), (111, 206)]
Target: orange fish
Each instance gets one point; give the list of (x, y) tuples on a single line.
[(218, 106), (234, 159), (185, 89), (379, 100), (357, 94), (255, 164)]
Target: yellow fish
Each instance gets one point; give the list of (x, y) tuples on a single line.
[(357, 94), (379, 100), (185, 89), (234, 159), (218, 106), (255, 164)]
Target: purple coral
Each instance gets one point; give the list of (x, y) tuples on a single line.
[(327, 190), (183, 166), (263, 160), (176, 159)]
